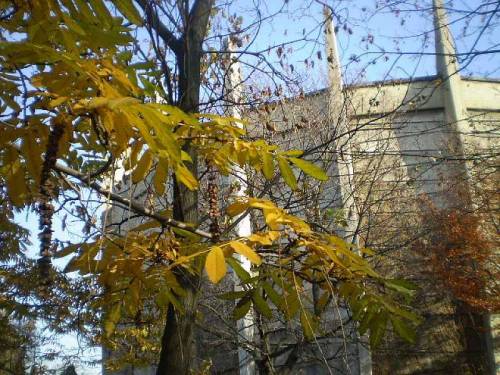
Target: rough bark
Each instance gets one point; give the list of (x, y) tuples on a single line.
[(177, 354)]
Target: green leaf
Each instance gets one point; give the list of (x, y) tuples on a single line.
[(358, 307), (287, 173), (233, 295), (309, 324), (366, 320), (240, 271), (242, 308), (401, 286), (111, 319), (127, 8), (173, 299), (405, 314), (272, 294), (403, 330), (378, 327), (260, 304), (290, 304), (322, 302), (186, 234), (310, 169)]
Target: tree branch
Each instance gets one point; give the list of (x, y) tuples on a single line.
[(135, 206), (153, 21)]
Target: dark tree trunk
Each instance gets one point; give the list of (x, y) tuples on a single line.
[(177, 353), (475, 332)]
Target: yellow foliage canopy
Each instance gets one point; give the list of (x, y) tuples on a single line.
[(77, 79)]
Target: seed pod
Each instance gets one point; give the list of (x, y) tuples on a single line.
[(47, 187)]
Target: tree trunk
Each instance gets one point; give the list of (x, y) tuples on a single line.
[(176, 356), (475, 332)]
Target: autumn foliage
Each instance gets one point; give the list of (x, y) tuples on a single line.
[(462, 256)]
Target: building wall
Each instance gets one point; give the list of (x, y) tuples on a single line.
[(402, 148)]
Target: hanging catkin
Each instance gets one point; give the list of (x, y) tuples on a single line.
[(213, 205), (47, 193)]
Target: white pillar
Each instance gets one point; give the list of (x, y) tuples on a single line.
[(244, 227)]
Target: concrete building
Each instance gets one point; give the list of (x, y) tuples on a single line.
[(385, 145)]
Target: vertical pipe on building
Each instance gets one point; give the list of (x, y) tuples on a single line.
[(338, 117), (448, 71), (456, 117), (233, 86)]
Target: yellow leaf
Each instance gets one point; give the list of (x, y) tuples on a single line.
[(267, 165), (262, 204), (265, 238), (185, 156), (215, 264), (97, 103), (272, 217), (237, 208), (16, 185), (160, 177), (287, 173), (310, 169), (246, 251), (367, 251), (32, 152), (134, 292), (121, 102), (185, 176), (72, 25), (143, 167), (101, 12), (293, 153), (134, 152), (54, 103)]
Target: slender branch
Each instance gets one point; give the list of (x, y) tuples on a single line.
[(135, 206)]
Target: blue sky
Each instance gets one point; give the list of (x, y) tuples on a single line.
[(365, 30)]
